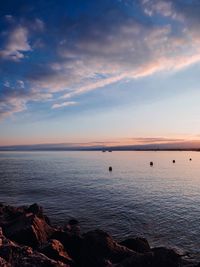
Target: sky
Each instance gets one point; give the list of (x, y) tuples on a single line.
[(86, 71)]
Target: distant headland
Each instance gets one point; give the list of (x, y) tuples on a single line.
[(179, 146)]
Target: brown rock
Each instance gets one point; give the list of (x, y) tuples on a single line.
[(138, 260), (73, 227), (37, 210), (99, 246), (55, 250), (4, 263), (138, 244), (8, 214), (28, 229), (14, 255), (164, 257), (71, 243)]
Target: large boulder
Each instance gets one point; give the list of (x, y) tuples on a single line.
[(73, 227), (72, 243), (98, 247), (4, 263), (55, 250), (158, 257), (11, 254), (138, 260), (37, 210), (9, 213), (165, 257), (138, 244), (29, 230), (25, 225)]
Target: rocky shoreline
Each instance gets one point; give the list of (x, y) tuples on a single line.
[(27, 238)]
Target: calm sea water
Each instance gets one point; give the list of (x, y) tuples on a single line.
[(161, 202)]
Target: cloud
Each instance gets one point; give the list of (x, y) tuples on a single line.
[(37, 25), (64, 104), (17, 38), (17, 43), (118, 47), (9, 18), (83, 54), (161, 7), (14, 99)]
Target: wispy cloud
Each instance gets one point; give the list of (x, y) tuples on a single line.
[(16, 38), (82, 55), (64, 104), (127, 48), (14, 99), (17, 43)]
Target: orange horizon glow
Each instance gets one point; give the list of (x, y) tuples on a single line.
[(84, 142)]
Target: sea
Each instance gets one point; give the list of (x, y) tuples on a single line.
[(159, 202)]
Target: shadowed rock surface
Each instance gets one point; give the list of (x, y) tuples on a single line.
[(55, 250), (12, 254), (98, 245), (25, 225), (72, 243), (166, 257), (28, 239), (137, 244)]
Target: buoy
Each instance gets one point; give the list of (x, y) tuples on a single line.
[(110, 169), (151, 163), (174, 161)]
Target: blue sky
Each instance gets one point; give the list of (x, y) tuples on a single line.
[(95, 71)]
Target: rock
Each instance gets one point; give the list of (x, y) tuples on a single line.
[(8, 214), (38, 260), (138, 260), (138, 244), (38, 210), (25, 256), (4, 263), (73, 227), (14, 255), (68, 248), (159, 257), (28, 229), (55, 250), (25, 225), (72, 243), (99, 246), (164, 257)]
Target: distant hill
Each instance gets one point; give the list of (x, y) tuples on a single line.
[(176, 146)]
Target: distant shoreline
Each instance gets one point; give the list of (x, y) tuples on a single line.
[(92, 149)]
